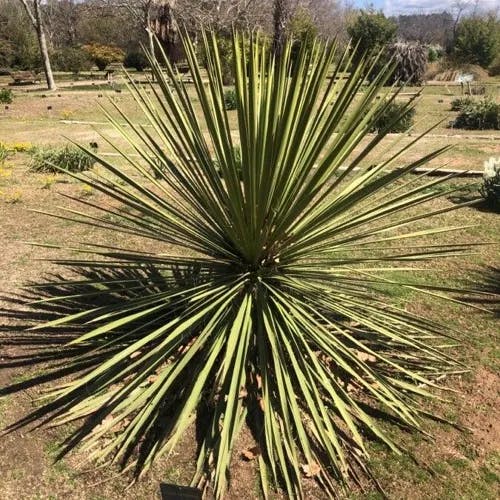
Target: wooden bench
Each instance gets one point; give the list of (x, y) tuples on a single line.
[(24, 78)]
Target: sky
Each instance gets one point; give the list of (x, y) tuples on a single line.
[(392, 7)]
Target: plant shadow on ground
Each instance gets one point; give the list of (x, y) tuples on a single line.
[(470, 195), (488, 282), (46, 356), (47, 346)]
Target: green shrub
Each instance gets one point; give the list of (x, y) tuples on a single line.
[(458, 103), (230, 100), (479, 115), (225, 47), (490, 190), (136, 60), (70, 158), (6, 96), (303, 30), (72, 59), (371, 31), (397, 117)]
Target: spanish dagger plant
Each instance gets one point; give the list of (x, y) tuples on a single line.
[(265, 301)]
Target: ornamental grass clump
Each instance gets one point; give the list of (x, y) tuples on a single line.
[(265, 303), (67, 158)]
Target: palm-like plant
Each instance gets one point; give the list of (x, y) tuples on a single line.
[(267, 302)]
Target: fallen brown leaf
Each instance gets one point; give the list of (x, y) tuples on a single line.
[(311, 469), (251, 453), (365, 357)]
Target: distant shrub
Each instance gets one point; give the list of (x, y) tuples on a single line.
[(102, 55), (432, 54), (371, 31), (490, 190), (4, 153), (230, 101), (396, 117), (68, 157), (136, 60), (494, 68), (72, 59), (6, 96), (479, 115), (302, 29), (458, 103)]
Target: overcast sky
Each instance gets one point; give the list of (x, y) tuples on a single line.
[(391, 7)]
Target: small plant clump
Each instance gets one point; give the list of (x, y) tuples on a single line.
[(230, 100), (460, 102), (490, 190), (396, 118), (70, 158), (479, 115), (6, 96), (4, 153)]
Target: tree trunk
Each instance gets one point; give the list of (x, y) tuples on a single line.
[(151, 39), (281, 13), (47, 68), (165, 29), (36, 19)]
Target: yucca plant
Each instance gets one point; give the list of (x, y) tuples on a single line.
[(266, 301)]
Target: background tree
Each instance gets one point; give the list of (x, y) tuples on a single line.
[(224, 14), (102, 55), (61, 22), (70, 24), (371, 31), (302, 29), (411, 61), (281, 16), (436, 28), (477, 40), (18, 46), (34, 11)]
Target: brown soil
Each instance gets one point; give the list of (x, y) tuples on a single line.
[(482, 412)]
